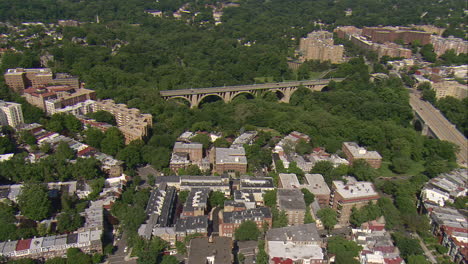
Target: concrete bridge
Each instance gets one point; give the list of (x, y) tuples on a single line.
[(434, 124), (284, 90)]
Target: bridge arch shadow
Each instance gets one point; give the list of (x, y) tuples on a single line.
[(209, 98), (180, 100), (243, 95), (418, 125)]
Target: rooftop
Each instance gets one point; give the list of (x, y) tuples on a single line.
[(307, 232), (182, 145), (220, 250), (360, 152), (255, 214), (292, 199), (354, 190), (231, 155), (191, 223)]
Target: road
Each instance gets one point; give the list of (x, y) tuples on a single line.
[(119, 256), (440, 126), (427, 252)]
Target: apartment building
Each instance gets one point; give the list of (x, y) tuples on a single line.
[(191, 225), (293, 204), (295, 244), (251, 198), (450, 88), (19, 79), (445, 188), (313, 182), (230, 160), (194, 150), (262, 184), (392, 34), (217, 250), (10, 114), (318, 45), (442, 45), (230, 221), (196, 203), (131, 122), (351, 194), (354, 152), (52, 99)]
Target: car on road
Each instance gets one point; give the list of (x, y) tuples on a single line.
[(125, 249)]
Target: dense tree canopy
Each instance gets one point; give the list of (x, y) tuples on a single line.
[(34, 202), (248, 230)]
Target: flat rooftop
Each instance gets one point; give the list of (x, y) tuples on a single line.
[(354, 190), (291, 199), (360, 152)]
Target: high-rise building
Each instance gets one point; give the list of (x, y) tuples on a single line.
[(10, 114), (351, 194), (392, 34), (19, 79), (318, 45), (293, 204), (442, 45), (450, 88)]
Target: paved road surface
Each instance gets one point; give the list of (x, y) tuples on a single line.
[(440, 126), (119, 255)]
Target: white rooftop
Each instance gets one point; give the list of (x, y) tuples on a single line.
[(355, 189)]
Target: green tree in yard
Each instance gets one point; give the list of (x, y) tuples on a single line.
[(280, 219), (113, 141), (76, 256), (345, 250), (64, 151), (461, 202), (429, 95), (170, 260), (308, 196), (216, 199), (131, 154), (328, 218), (190, 170), (302, 147), (308, 216), (262, 256), (247, 231), (203, 139), (363, 171), (69, 221), (364, 214), (221, 143), (34, 202), (103, 116), (27, 138), (269, 198), (180, 246), (428, 54), (7, 222), (183, 196), (94, 137), (408, 246), (6, 145), (417, 259)]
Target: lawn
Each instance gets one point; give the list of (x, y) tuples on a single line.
[(416, 168)]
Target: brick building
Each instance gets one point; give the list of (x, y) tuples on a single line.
[(354, 152), (230, 160), (196, 203), (131, 122), (392, 34), (230, 221), (352, 194), (292, 202), (318, 45)]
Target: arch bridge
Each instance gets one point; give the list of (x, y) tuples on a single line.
[(228, 93)]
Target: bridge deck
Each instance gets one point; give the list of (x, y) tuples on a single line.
[(246, 87), (441, 127)]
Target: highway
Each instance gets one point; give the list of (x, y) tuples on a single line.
[(440, 126), (246, 87)]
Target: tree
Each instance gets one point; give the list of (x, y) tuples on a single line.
[(34, 202), (308, 216), (280, 219), (69, 221), (93, 137), (248, 230), (76, 256), (269, 198), (221, 143), (113, 141), (363, 171), (6, 145), (262, 256), (429, 95), (64, 152), (216, 199), (27, 138), (407, 246), (345, 250), (203, 139), (131, 154), (103, 116), (428, 54), (328, 217), (183, 196), (302, 147), (169, 260), (417, 259), (364, 214), (7, 222), (180, 246), (56, 261), (308, 196)]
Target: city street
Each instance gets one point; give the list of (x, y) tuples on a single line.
[(119, 256)]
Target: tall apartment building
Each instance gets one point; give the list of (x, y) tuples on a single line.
[(292, 202), (450, 88), (230, 221), (229, 160), (345, 196), (19, 79), (318, 45), (194, 150), (442, 45), (392, 34), (52, 99), (10, 114), (313, 182), (131, 122), (354, 152)]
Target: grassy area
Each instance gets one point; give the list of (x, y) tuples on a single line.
[(416, 168), (315, 75), (267, 79)]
